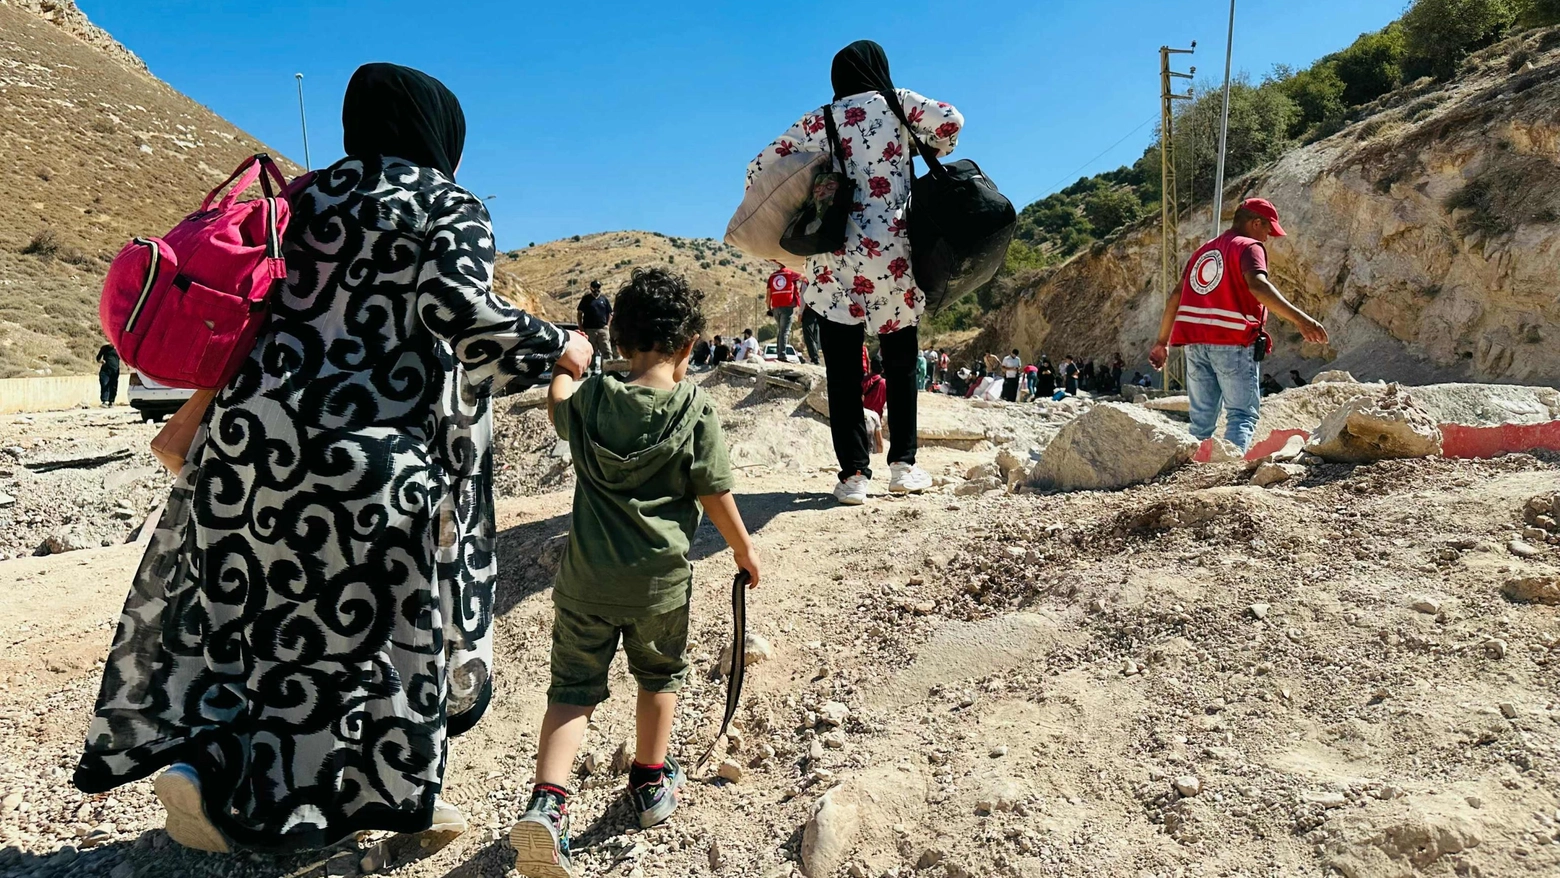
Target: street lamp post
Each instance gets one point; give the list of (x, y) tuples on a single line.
[(303, 122), (1224, 129)]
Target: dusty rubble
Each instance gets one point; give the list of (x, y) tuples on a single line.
[(1195, 674), (1380, 426)]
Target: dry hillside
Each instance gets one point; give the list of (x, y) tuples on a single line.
[(559, 272), (1426, 237), (97, 150)]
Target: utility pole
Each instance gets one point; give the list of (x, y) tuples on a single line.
[(1224, 129), (1169, 224), (304, 122)]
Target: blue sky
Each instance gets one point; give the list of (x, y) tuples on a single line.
[(592, 116)]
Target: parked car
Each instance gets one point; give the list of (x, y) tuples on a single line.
[(771, 354), (153, 400)]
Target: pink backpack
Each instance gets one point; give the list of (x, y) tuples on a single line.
[(185, 309)]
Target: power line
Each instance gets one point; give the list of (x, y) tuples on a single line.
[(1102, 154)]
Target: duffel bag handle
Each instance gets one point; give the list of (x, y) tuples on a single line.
[(257, 167), (928, 154)]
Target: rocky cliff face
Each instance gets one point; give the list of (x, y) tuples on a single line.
[(1426, 237), (64, 15)]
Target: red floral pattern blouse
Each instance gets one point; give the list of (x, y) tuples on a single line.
[(870, 281)]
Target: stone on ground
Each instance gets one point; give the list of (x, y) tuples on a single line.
[(1379, 426), (1541, 589), (1274, 473), (1334, 376), (829, 836), (1181, 403), (1111, 446), (1222, 450), (1290, 452), (758, 650)]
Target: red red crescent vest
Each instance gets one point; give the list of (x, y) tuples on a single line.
[(1216, 305), (782, 289)]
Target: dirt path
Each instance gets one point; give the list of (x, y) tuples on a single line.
[(1031, 685)]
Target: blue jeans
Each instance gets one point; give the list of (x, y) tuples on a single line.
[(1227, 375)]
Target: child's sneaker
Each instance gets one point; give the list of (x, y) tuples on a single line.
[(655, 801), (178, 789), (852, 491), (541, 838)]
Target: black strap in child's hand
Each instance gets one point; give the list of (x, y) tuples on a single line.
[(738, 659)]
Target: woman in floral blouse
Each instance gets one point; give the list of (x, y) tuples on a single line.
[(869, 285)]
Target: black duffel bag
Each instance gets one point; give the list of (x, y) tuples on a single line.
[(960, 225), (819, 227)]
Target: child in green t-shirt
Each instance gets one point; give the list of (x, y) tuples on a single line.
[(648, 454)]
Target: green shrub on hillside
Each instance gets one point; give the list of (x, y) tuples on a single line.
[(1372, 65), (1317, 94), (1109, 209), (1441, 33)]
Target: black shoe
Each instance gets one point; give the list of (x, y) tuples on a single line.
[(655, 801)]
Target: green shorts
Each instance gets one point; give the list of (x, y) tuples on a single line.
[(583, 646)]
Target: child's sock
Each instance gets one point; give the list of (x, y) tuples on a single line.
[(640, 774), (542, 792)]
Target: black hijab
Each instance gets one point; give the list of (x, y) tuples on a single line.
[(860, 66), (397, 111)]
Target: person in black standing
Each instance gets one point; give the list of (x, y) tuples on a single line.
[(108, 374), (1045, 379), (1117, 366), (595, 313)]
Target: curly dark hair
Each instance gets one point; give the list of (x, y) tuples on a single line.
[(656, 311)]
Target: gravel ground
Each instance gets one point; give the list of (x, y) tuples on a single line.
[(76, 508), (1196, 676)]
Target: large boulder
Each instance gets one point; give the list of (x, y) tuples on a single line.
[(1111, 446), (1382, 425)]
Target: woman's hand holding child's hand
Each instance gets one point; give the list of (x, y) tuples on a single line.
[(577, 354)]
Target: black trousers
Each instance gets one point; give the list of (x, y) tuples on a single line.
[(810, 330), (108, 385), (842, 360), (1010, 388)]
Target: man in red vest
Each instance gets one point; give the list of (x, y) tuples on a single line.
[(1218, 316), (784, 298)]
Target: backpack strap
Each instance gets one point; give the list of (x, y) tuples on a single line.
[(738, 659), (927, 154), (834, 137)]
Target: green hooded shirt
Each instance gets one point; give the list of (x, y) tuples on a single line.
[(642, 457)]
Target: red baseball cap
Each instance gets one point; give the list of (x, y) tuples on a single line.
[(1265, 209)]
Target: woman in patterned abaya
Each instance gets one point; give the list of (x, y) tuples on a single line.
[(869, 285), (312, 620)]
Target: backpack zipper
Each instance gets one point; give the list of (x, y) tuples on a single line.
[(146, 288)]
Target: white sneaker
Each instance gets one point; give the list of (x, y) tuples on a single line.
[(448, 824), (907, 478), (179, 790), (852, 491)]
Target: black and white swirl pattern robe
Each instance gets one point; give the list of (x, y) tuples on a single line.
[(313, 617)]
